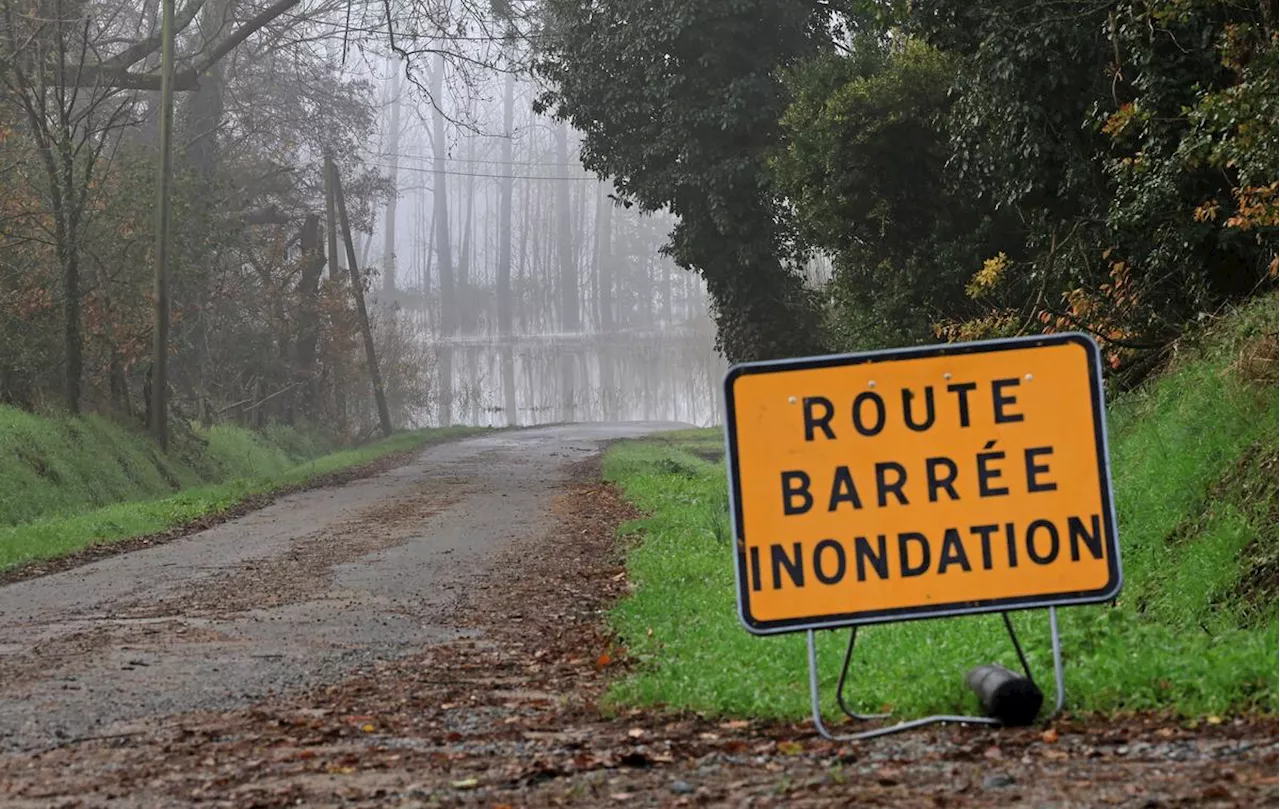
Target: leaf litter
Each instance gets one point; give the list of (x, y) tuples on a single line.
[(509, 717)]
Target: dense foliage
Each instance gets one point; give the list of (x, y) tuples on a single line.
[(679, 102), (255, 336), (972, 169)]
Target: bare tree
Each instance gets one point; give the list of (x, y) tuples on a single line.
[(440, 197), (71, 123), (570, 320), (604, 257), (393, 150)]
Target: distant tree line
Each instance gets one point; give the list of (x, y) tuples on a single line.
[(970, 169), (265, 325), (499, 231), (258, 332)]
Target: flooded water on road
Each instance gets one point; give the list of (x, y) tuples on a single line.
[(654, 376)]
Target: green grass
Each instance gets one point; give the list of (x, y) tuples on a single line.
[(1194, 632), (66, 484), (57, 465)]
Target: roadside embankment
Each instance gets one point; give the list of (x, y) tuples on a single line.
[(70, 483), (1194, 632)]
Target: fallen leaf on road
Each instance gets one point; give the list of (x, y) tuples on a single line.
[(790, 748), (623, 796), (603, 660), (466, 783), (1049, 736), (736, 724), (635, 733), (368, 728), (887, 777), (993, 753)]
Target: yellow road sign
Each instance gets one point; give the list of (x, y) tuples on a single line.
[(917, 483)]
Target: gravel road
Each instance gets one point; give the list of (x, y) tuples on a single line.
[(434, 636), (303, 592)]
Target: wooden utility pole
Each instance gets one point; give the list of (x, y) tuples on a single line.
[(160, 347), (384, 415)]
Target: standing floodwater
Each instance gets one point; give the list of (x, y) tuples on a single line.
[(671, 375)]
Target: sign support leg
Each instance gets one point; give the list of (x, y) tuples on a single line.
[(815, 696), (815, 699), (844, 676), (1057, 661)]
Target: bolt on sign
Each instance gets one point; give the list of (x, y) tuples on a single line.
[(918, 483)]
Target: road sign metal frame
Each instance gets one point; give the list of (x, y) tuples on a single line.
[(1108, 514), (815, 700), (1003, 606)]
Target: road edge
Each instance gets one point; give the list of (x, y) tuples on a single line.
[(37, 568)]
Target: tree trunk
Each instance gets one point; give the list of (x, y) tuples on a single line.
[(440, 213), (521, 292), (72, 336), (505, 188), (331, 223), (509, 384), (569, 318), (308, 317), (566, 362), (205, 105), (160, 348), (205, 109), (604, 258), (393, 146), (466, 300), (666, 293), (427, 258)]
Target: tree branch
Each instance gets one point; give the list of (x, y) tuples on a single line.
[(145, 47), (114, 73)]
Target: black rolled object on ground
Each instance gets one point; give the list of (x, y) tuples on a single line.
[(1005, 695)]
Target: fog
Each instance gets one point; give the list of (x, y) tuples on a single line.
[(603, 327)]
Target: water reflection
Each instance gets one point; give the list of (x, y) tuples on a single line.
[(667, 376)]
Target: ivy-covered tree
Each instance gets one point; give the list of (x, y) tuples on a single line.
[(1128, 140), (865, 165), (678, 101)]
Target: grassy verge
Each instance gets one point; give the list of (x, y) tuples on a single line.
[(263, 466), (1194, 633)]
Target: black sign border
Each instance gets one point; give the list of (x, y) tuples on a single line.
[(1104, 594)]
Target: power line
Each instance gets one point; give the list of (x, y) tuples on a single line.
[(424, 170), (380, 28), (538, 163)]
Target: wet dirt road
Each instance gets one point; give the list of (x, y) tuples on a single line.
[(314, 587), (436, 637)]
